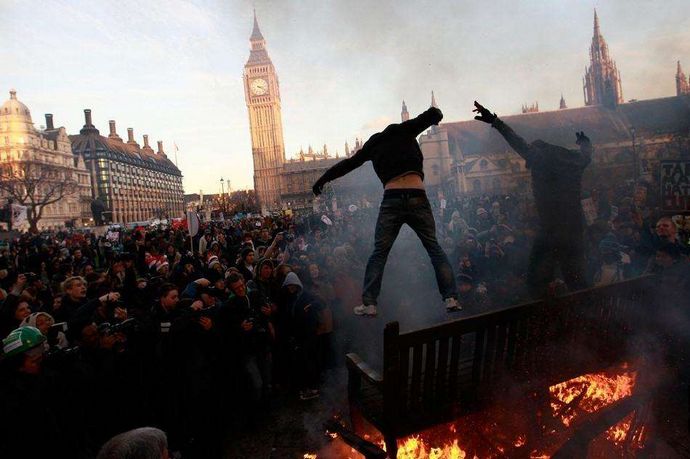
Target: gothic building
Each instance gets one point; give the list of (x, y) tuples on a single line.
[(682, 83), (262, 95), (602, 80)]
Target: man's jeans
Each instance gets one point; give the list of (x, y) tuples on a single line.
[(409, 206)]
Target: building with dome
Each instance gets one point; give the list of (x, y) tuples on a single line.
[(48, 155), (134, 183)]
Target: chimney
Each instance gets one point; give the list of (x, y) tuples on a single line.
[(130, 137), (113, 131), (49, 122), (160, 147), (88, 128), (146, 141)]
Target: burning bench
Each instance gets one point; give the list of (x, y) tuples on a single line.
[(439, 374)]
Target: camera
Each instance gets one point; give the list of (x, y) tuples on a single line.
[(126, 326)]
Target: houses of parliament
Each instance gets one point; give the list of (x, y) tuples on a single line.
[(466, 158)]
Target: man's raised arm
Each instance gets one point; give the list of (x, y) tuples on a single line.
[(514, 140), (423, 121), (346, 165)]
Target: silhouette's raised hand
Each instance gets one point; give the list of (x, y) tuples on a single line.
[(484, 114), (581, 138), (317, 188)]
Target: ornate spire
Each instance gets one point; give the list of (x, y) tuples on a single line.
[(256, 32), (562, 104), (682, 85), (433, 100), (602, 85), (404, 114)]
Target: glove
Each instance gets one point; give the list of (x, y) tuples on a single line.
[(484, 114), (581, 138), (317, 188)]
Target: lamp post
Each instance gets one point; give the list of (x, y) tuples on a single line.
[(222, 195), (634, 148)]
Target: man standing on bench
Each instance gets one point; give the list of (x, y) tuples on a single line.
[(398, 162), (557, 187)]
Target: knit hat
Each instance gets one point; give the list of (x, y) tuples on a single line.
[(161, 263)]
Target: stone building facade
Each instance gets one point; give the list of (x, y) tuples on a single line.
[(134, 183), (21, 143)]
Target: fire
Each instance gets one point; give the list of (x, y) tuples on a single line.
[(309, 456), (415, 447), (589, 393)]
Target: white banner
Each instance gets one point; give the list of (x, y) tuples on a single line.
[(19, 216)]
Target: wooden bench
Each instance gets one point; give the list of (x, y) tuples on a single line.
[(438, 374)]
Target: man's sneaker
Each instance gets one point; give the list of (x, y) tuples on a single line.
[(452, 305), (366, 310), (308, 394)]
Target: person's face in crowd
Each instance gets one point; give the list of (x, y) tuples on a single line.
[(43, 323), (90, 336), (163, 270), (663, 259), (238, 288), (208, 300), (314, 271), (666, 229), (171, 250), (169, 300), (23, 311), (88, 269), (118, 267), (264, 234), (32, 361), (293, 289), (465, 262), (43, 266), (77, 254), (317, 235), (266, 271), (77, 290), (189, 268), (249, 259)]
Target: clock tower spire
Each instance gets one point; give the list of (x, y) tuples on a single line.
[(262, 96)]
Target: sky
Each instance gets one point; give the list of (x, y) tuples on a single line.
[(172, 69)]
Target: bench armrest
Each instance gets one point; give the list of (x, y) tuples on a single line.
[(356, 365)]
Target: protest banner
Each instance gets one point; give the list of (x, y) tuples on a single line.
[(675, 186)]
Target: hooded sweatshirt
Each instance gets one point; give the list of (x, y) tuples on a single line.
[(302, 309)]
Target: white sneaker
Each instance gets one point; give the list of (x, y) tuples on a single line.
[(452, 305), (365, 310)]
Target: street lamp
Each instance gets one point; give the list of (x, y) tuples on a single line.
[(222, 195)]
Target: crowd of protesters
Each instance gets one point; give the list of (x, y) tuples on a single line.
[(102, 335)]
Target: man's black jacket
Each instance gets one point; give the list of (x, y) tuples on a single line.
[(393, 151)]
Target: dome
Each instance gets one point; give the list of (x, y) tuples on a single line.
[(15, 109), (15, 116)]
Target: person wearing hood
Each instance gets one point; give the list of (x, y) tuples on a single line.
[(557, 188), (302, 315), (43, 321)]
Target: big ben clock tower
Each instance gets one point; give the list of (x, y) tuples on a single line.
[(265, 123)]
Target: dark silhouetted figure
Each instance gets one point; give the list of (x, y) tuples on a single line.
[(398, 162), (557, 187)]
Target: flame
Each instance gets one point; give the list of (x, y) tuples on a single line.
[(415, 447), (310, 456), (594, 391)]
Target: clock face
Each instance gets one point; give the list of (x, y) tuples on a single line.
[(259, 87)]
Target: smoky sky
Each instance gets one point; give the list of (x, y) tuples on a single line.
[(173, 69)]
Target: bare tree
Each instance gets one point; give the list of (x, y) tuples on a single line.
[(36, 185)]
